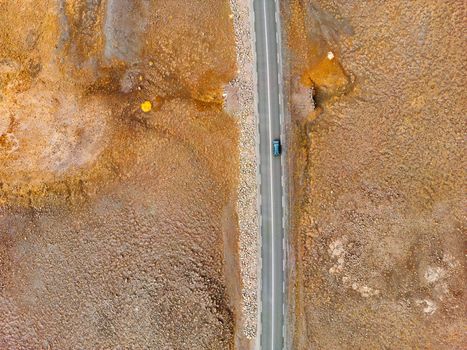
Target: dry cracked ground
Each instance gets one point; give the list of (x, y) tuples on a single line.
[(378, 209), (118, 226)]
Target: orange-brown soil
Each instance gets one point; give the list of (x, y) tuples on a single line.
[(118, 226), (377, 173)]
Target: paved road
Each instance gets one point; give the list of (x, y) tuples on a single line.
[(272, 296)]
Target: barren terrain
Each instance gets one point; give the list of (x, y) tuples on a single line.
[(118, 176), (377, 99)]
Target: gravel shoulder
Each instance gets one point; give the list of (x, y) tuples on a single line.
[(241, 103)]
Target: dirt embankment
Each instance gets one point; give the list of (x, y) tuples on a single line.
[(378, 228), (118, 175)]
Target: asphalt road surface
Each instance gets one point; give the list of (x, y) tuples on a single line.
[(269, 108)]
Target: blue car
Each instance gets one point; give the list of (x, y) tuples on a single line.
[(276, 147)]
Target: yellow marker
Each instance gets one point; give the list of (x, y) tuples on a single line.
[(146, 106)]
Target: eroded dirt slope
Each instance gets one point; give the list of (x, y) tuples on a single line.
[(117, 226), (378, 173)]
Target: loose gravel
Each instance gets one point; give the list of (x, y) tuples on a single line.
[(244, 86)]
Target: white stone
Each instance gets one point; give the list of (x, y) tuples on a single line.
[(433, 274)]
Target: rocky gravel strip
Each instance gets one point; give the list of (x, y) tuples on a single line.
[(243, 89)]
